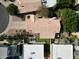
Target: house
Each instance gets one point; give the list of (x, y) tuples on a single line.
[(45, 28), (76, 33), (32, 51), (60, 51)]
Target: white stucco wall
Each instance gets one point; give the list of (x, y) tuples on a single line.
[(62, 51), (33, 51), (3, 52)]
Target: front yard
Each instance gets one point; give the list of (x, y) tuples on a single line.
[(47, 41), (43, 40)]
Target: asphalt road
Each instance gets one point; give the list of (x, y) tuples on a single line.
[(4, 18)]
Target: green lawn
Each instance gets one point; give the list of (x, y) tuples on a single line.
[(43, 40)]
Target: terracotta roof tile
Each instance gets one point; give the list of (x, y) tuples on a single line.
[(46, 27), (28, 6)]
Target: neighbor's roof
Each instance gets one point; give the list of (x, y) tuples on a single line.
[(62, 51), (46, 27), (33, 51), (3, 52), (26, 6)]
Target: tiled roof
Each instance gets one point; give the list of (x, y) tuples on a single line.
[(28, 6), (47, 27)]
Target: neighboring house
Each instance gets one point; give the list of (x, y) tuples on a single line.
[(46, 28), (3, 52), (61, 51), (28, 6), (32, 51), (31, 6), (7, 51)]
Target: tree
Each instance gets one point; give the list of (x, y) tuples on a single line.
[(2, 37), (46, 12), (19, 36), (65, 3), (72, 38), (12, 9), (10, 39), (69, 20)]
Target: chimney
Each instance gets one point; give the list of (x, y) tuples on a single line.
[(30, 17)]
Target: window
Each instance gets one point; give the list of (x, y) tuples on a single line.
[(28, 17)]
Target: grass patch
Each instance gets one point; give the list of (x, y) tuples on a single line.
[(47, 41)]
